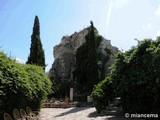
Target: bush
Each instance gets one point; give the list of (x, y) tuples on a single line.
[(102, 94), (136, 77), (21, 85)]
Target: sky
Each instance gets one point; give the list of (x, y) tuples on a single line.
[(121, 21)]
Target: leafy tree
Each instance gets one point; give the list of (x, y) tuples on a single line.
[(135, 77), (36, 56)]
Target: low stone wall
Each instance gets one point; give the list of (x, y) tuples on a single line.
[(58, 104)]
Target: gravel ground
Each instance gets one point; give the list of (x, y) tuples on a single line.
[(76, 113)]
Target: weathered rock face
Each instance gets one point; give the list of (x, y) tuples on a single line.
[(114, 51), (64, 55)]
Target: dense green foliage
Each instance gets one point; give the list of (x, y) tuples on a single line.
[(36, 56), (135, 78), (88, 71), (102, 94), (21, 85), (92, 67)]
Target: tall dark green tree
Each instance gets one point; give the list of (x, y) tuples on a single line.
[(36, 56), (86, 72), (92, 68)]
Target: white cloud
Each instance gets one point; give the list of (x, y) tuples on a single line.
[(157, 12), (18, 60)]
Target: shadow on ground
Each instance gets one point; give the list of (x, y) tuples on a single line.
[(74, 110), (115, 113), (112, 111), (112, 116)]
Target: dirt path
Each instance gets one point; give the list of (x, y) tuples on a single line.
[(76, 113)]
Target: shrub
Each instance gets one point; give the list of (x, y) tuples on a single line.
[(21, 85), (102, 94)]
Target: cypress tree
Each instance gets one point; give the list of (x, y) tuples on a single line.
[(36, 56), (92, 68), (86, 72)]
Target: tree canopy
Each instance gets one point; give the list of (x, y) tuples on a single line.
[(86, 74), (135, 77)]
